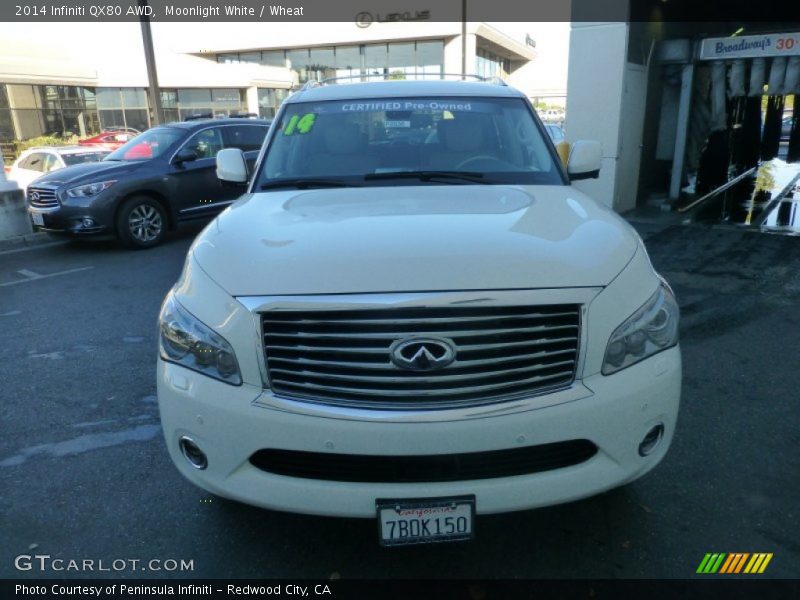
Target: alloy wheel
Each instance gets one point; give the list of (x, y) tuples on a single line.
[(145, 223)]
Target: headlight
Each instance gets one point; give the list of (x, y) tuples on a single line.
[(90, 189), (186, 341), (651, 329)]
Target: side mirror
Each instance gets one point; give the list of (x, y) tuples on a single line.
[(231, 166), (185, 155), (585, 158)]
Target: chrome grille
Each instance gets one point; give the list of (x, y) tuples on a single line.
[(343, 357), (42, 197)]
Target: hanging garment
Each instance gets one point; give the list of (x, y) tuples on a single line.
[(758, 77), (791, 85), (719, 121), (713, 169), (771, 138), (749, 139), (736, 77), (793, 155)]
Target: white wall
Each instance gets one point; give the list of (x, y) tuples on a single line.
[(452, 54), (597, 59)]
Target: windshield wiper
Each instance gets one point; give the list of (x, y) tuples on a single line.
[(305, 183), (470, 176)]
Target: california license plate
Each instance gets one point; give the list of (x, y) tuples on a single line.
[(425, 520), (38, 219)]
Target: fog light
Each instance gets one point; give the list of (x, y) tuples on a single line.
[(651, 440), (87, 222), (192, 453)]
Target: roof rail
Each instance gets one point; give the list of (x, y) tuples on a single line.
[(366, 77), (197, 116)]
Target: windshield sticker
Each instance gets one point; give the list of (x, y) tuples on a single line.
[(435, 105), (389, 124), (298, 124)]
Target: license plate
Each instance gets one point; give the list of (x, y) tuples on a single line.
[(425, 520), (38, 219)]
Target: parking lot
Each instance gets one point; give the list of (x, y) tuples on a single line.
[(84, 472)]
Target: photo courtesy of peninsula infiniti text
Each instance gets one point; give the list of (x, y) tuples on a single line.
[(412, 316)]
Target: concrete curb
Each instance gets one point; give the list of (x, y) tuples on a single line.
[(29, 241)]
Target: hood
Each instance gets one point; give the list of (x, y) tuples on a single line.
[(414, 239), (89, 172)]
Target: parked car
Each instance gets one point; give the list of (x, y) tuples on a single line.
[(552, 114), (35, 162), (416, 333), (555, 132), (110, 139), (158, 179)]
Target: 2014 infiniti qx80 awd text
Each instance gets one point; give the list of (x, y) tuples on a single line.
[(412, 316)]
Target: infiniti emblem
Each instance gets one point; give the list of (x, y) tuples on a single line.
[(34, 196), (423, 354)]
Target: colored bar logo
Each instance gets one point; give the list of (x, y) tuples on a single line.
[(734, 563)]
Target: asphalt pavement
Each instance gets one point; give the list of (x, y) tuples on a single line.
[(84, 472)]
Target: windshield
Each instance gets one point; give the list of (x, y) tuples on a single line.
[(150, 144), (83, 157), (367, 142)]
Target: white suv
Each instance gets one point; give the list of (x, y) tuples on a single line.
[(412, 316)]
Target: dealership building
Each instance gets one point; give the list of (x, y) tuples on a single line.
[(45, 91)]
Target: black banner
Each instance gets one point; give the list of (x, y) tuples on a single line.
[(733, 588), (367, 13)]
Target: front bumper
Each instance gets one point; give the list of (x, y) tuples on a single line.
[(72, 219), (231, 423)]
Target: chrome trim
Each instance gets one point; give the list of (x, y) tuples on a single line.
[(43, 210), (518, 403), (577, 391), (49, 204), (205, 206), (186, 438)]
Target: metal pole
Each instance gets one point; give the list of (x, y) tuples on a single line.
[(153, 91), (463, 39), (684, 106)]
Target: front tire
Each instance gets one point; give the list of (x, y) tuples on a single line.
[(141, 222)]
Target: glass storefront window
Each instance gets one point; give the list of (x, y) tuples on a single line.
[(111, 119), (171, 115), (322, 58), (226, 97), (169, 98), (376, 58), (134, 98), (401, 55), (89, 97), (430, 57), (273, 58), (269, 100), (6, 126), (404, 59), (137, 118), (192, 98), (348, 57), (250, 57), (488, 64), (298, 58), (108, 98)]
